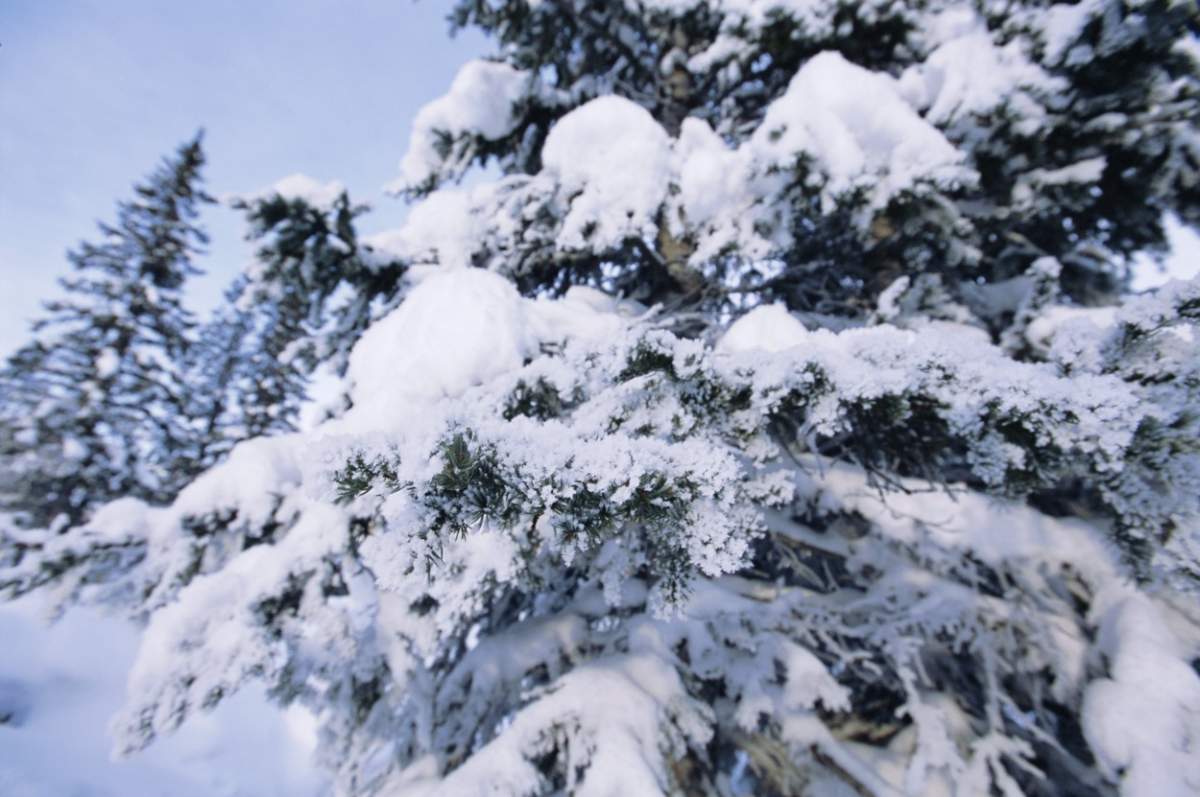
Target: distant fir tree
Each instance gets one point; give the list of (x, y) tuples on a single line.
[(95, 407), (310, 292), (218, 370)]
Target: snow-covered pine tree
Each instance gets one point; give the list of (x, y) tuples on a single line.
[(321, 284), (227, 405), (309, 293), (762, 429), (95, 407)]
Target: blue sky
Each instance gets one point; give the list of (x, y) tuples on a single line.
[(94, 92)]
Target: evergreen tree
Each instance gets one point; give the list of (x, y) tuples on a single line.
[(1074, 124), (846, 480), (307, 297), (318, 281), (95, 407), (223, 381)]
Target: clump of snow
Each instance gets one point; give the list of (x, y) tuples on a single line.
[(456, 328), (480, 103), (887, 307), (1042, 330), (255, 472), (1144, 719), (1060, 26), (73, 449), (614, 734), (1183, 263), (301, 187), (1085, 172), (107, 363), (869, 137), (442, 228), (717, 193), (709, 173), (613, 159), (769, 328), (995, 532), (968, 74), (582, 314)]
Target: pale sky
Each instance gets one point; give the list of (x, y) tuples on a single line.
[(94, 92)]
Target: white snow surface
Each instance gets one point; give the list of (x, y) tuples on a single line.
[(65, 682), (299, 186), (1182, 264), (968, 74), (1142, 721), (1059, 27), (868, 136), (768, 327), (613, 158), (456, 328), (107, 363), (441, 229)]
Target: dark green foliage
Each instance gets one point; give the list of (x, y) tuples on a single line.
[(474, 487), (308, 253), (905, 435), (471, 487), (360, 475), (540, 400), (647, 358)]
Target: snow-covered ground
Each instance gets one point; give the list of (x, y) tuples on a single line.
[(61, 684)]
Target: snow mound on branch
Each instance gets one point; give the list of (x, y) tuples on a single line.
[(616, 160), (1059, 27), (639, 689), (859, 137), (299, 187), (710, 174), (612, 174), (717, 194), (1144, 718), (439, 230), (457, 328), (768, 328), (255, 472), (583, 313), (968, 75), (1044, 328), (479, 103)]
